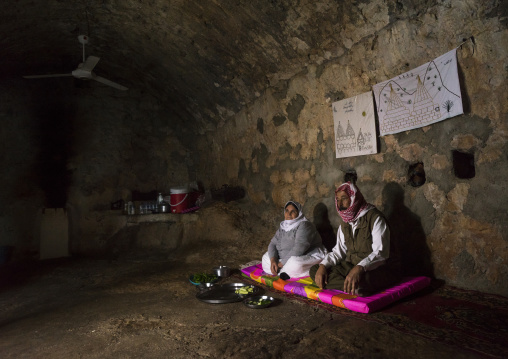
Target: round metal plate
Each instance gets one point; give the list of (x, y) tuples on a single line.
[(225, 293)]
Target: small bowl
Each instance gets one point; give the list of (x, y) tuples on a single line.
[(205, 286), (222, 271), (191, 279), (267, 301)]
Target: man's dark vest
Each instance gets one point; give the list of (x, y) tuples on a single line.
[(359, 246)]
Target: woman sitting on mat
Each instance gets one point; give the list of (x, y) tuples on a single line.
[(296, 246)]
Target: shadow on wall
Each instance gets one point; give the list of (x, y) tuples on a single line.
[(408, 237), (54, 113), (324, 227)]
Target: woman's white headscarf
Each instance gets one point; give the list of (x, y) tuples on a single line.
[(287, 225)]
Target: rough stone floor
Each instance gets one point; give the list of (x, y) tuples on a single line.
[(146, 308)]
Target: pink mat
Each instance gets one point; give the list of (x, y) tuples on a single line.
[(303, 286)]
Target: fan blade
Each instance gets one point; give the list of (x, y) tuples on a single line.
[(44, 76), (90, 63), (110, 83)]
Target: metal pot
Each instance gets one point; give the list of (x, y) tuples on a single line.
[(222, 271), (164, 207)]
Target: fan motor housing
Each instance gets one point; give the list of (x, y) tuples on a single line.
[(82, 74)]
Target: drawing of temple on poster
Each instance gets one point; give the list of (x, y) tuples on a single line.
[(355, 127), (425, 95)]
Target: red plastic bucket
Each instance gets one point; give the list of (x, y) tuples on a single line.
[(179, 198)]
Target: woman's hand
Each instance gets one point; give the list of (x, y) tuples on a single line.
[(321, 276), (352, 281), (274, 266)]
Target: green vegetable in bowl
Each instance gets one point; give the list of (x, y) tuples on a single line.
[(203, 278), (244, 290), (259, 302)]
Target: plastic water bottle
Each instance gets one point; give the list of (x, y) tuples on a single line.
[(131, 209)]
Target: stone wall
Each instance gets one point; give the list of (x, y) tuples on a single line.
[(81, 147), (248, 102), (280, 147)]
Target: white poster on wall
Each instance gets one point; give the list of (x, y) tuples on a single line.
[(355, 126), (422, 96)]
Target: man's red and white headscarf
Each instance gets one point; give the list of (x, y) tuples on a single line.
[(358, 203)]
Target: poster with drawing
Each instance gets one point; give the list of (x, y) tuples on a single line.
[(422, 96), (355, 126)]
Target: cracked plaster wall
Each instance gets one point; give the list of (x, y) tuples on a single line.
[(281, 146)]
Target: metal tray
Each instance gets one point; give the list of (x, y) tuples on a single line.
[(225, 293)]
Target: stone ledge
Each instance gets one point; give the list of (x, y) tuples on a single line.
[(161, 217)]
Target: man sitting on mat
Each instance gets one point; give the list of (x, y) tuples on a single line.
[(295, 247), (360, 263)]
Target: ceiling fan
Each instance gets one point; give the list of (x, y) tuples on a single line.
[(84, 69)]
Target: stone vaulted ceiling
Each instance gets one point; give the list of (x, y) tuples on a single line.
[(205, 59)]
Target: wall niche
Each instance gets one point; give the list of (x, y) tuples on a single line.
[(463, 164)]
